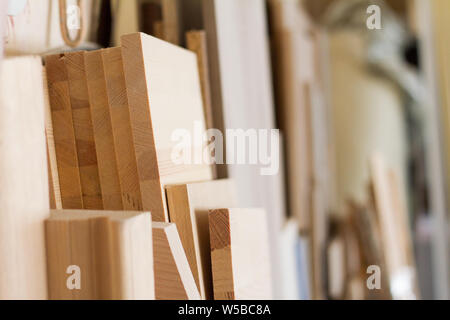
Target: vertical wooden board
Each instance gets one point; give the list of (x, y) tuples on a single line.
[(240, 254), (121, 128), (167, 75), (24, 193), (188, 208), (64, 137), (102, 129), (83, 129), (173, 276), (171, 20)]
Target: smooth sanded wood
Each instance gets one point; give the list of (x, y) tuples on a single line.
[(173, 276), (24, 192), (63, 133), (102, 129), (240, 254), (121, 129), (83, 129), (113, 250), (189, 205), (165, 102), (52, 163)]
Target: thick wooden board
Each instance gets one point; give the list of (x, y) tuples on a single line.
[(240, 254), (189, 205), (121, 129), (83, 129), (171, 21), (164, 98), (24, 192), (102, 129), (64, 137), (52, 163), (113, 250), (173, 276)]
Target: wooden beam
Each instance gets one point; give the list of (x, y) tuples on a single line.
[(167, 76), (189, 205), (240, 254), (113, 250)]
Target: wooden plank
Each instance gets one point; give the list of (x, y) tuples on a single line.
[(240, 254), (113, 250), (171, 19), (173, 276), (24, 193), (64, 136), (121, 129), (102, 129), (52, 163), (83, 129), (167, 75), (189, 205)]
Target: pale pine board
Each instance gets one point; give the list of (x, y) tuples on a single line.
[(189, 205), (83, 129), (240, 254), (102, 129), (173, 276), (63, 133), (121, 128), (113, 249), (164, 95), (24, 191)]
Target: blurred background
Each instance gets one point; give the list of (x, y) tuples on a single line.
[(360, 92)]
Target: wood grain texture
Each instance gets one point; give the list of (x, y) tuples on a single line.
[(189, 205), (113, 250), (166, 76), (24, 192), (173, 276), (102, 129), (240, 254), (63, 132), (83, 129), (121, 128), (52, 163)]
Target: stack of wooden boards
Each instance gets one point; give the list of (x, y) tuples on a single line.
[(119, 116)]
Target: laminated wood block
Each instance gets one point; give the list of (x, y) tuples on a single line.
[(24, 192), (83, 129), (165, 105), (102, 129), (121, 129), (63, 133), (173, 276), (189, 205), (112, 249), (240, 254), (52, 163)]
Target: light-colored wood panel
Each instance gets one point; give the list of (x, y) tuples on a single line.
[(240, 254), (24, 192), (102, 129), (121, 128), (189, 205), (167, 76), (173, 276), (63, 133), (83, 129), (113, 250)]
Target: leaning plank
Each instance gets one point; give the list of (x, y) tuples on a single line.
[(24, 192), (121, 128), (188, 209), (170, 15), (112, 249), (240, 254), (102, 128), (64, 137), (167, 76), (173, 276), (84, 133)]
